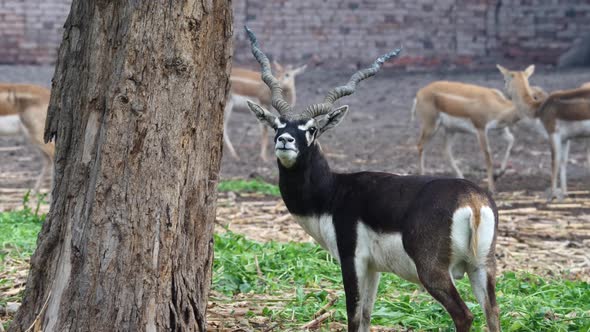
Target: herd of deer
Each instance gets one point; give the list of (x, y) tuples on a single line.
[(443, 107), (449, 108)]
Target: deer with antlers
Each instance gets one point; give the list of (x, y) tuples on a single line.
[(565, 115), (23, 109), (247, 85), (427, 230)]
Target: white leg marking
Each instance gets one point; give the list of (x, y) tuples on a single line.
[(563, 166), (479, 280), (368, 295)]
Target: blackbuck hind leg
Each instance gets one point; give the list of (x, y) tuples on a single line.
[(507, 135), (483, 285), (46, 167), (428, 130), (485, 148), (226, 115), (368, 293), (439, 284), (263, 142), (565, 150), (448, 138)]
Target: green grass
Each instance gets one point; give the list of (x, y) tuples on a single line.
[(18, 231), (250, 186), (304, 276), (527, 302)]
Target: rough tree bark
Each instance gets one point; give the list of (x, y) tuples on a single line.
[(136, 110)]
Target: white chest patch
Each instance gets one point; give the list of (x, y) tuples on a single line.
[(384, 252), (321, 229)]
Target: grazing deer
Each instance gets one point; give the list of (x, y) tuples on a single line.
[(247, 85), (427, 230), (565, 115), (23, 109)]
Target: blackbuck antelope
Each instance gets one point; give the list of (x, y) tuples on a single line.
[(23, 109), (247, 85), (565, 115), (427, 230), (452, 108)]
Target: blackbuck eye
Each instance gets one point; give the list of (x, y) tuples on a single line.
[(312, 130)]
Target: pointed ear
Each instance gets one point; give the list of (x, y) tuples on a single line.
[(332, 119), (299, 70), (503, 70), (264, 116), (277, 66), (529, 70)]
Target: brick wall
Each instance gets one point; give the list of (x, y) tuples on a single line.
[(31, 30), (434, 33)]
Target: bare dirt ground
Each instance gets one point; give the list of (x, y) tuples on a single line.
[(547, 239)]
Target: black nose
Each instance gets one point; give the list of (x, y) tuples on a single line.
[(287, 139)]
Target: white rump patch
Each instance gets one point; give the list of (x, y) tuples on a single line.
[(384, 252), (461, 239)]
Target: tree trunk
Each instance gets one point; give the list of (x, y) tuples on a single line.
[(136, 110)]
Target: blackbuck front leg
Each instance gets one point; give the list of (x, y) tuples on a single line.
[(556, 145), (351, 282), (369, 284), (565, 150), (226, 115), (485, 148), (509, 138), (263, 142)]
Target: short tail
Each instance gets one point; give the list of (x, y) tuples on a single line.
[(413, 111), (474, 222)]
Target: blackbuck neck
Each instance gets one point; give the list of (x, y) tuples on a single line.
[(306, 187)]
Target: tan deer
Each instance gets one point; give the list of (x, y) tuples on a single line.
[(455, 107), (248, 85), (23, 109), (565, 115)]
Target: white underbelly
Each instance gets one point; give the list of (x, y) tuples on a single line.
[(10, 125), (456, 124), (573, 129), (384, 252)]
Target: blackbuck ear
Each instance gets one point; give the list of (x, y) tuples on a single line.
[(332, 119), (264, 116), (299, 70), (529, 71), (503, 70)]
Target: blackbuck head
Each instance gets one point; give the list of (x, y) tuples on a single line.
[(518, 89), (286, 74), (515, 80), (296, 132)]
